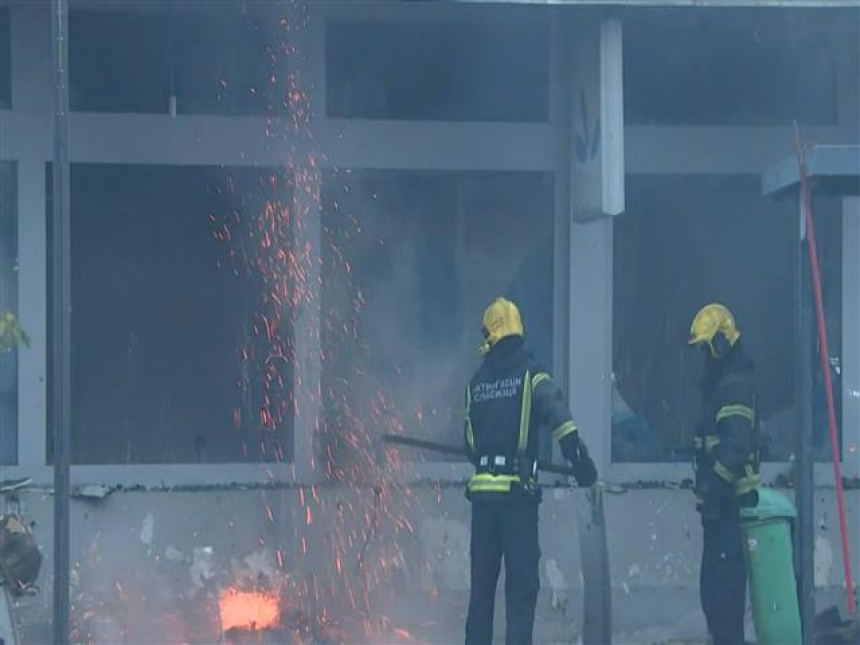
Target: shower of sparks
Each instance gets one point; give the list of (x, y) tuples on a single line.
[(303, 370), (338, 542)]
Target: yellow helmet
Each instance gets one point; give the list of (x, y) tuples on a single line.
[(711, 320), (501, 319)]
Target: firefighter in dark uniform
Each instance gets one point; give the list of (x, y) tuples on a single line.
[(727, 469), (508, 401)]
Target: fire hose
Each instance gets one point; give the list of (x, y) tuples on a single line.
[(448, 449)]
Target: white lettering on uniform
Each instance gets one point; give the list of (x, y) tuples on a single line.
[(505, 388)]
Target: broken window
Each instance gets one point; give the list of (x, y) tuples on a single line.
[(467, 71), (744, 67), (686, 241), (180, 350), (410, 261), (8, 304)]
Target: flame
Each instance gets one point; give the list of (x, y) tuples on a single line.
[(248, 609)]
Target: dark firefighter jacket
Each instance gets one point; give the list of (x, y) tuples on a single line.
[(727, 441), (508, 401)]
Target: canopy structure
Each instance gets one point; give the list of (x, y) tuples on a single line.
[(832, 170)]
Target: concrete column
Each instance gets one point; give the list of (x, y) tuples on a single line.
[(596, 178), (598, 121), (9, 303), (308, 369), (591, 336), (850, 338), (848, 113), (308, 237), (851, 363), (32, 307), (32, 95), (560, 117)]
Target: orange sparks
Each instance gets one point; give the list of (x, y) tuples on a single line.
[(248, 609)]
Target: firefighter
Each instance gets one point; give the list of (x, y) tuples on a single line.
[(726, 467), (508, 401)]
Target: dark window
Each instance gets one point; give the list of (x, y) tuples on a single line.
[(5, 61), (171, 356), (410, 261), (488, 71), (742, 67), (229, 63), (8, 304), (686, 241), (224, 62), (118, 62)]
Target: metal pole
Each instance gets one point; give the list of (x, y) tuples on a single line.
[(61, 341), (805, 536)]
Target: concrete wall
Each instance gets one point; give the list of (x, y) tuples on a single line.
[(148, 565)]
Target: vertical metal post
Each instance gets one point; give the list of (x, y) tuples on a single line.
[(805, 537), (560, 118), (61, 341)]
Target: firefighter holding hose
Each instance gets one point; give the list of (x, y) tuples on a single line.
[(508, 401)]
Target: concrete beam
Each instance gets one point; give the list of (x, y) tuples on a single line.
[(833, 169), (773, 4)]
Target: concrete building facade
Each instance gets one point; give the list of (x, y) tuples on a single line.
[(411, 160)]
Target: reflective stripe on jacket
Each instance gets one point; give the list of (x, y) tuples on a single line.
[(507, 398), (727, 439)]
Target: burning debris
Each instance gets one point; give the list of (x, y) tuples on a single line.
[(248, 610), (269, 616)]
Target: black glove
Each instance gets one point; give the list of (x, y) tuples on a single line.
[(583, 467), (718, 498)]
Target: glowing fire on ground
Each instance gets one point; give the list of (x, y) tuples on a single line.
[(251, 610)]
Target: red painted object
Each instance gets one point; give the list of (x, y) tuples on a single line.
[(806, 206)]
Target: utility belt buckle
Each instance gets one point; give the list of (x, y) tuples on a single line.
[(494, 464)]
